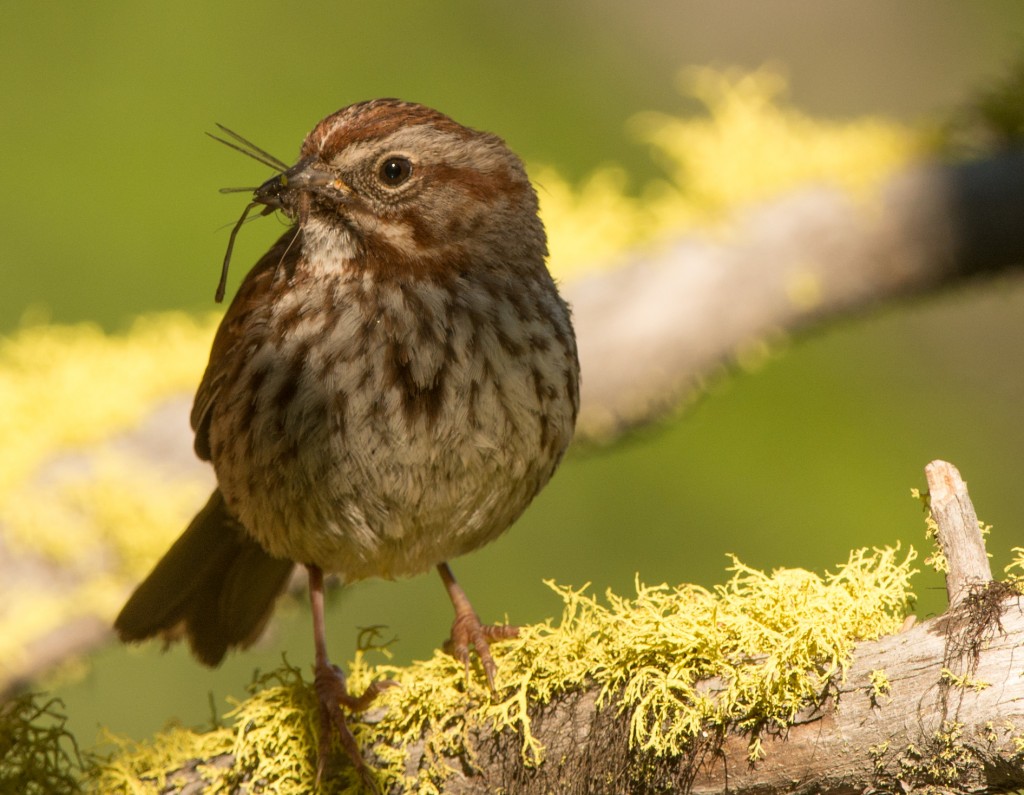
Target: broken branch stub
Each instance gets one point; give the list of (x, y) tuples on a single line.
[(958, 532)]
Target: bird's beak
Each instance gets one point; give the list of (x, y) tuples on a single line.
[(307, 176)]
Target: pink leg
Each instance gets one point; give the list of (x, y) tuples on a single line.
[(468, 631), (331, 691)]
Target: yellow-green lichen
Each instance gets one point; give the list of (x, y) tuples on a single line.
[(102, 528), (965, 682), (936, 559), (81, 515), (944, 762), (748, 146), (948, 761), (877, 753), (64, 387), (1015, 568), (880, 685), (1018, 746), (771, 643), (145, 770)]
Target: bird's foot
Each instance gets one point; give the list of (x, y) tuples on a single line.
[(467, 631), (332, 694)]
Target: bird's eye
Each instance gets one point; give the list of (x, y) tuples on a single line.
[(394, 171)]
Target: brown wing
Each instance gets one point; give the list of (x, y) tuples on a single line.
[(250, 299)]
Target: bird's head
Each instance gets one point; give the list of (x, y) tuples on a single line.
[(404, 189)]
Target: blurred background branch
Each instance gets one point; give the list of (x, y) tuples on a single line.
[(656, 329)]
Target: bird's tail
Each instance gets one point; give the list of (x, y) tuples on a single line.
[(215, 585)]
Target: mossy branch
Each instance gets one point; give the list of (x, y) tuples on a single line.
[(789, 682)]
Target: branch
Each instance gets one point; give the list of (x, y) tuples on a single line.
[(939, 706), (959, 534), (651, 332), (922, 732)]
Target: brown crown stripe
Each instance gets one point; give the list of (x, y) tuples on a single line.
[(377, 119)]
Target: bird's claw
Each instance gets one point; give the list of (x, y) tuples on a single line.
[(467, 631), (332, 694)]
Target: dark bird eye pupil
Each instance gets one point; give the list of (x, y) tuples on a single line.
[(395, 170)]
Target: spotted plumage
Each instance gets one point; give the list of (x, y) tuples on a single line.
[(393, 383)]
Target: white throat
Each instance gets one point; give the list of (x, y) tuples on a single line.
[(326, 246)]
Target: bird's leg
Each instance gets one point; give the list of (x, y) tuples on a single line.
[(468, 631), (331, 691)]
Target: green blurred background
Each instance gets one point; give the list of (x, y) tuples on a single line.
[(111, 210)]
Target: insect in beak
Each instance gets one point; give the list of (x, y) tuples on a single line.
[(267, 194), (222, 284), (289, 190)]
